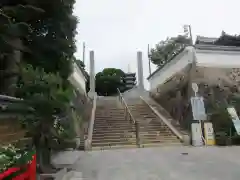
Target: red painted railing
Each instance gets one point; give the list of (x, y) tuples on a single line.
[(29, 174)]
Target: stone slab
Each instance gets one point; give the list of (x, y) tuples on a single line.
[(65, 158)]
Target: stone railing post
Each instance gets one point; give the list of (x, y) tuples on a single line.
[(92, 92), (140, 70)]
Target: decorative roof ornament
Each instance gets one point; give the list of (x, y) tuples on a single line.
[(224, 40)]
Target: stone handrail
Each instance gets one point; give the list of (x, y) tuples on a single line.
[(173, 129), (128, 116), (88, 143)]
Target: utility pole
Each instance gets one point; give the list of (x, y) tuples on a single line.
[(83, 55), (190, 33), (188, 30), (129, 71), (149, 61)]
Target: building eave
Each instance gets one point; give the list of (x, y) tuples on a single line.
[(216, 48), (181, 53)]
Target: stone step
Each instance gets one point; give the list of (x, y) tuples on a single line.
[(110, 119), (127, 127), (106, 134), (94, 144), (149, 133), (147, 141), (114, 140), (143, 113), (114, 129), (112, 126), (155, 128), (106, 111), (114, 136), (143, 117), (106, 123), (155, 133), (110, 133), (119, 123), (120, 117), (106, 131), (107, 126), (109, 109), (165, 144), (122, 122), (162, 135), (126, 146)]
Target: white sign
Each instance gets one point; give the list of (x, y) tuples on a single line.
[(235, 119), (196, 134), (198, 108), (195, 87)]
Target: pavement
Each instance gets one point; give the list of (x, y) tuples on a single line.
[(66, 158), (160, 163)]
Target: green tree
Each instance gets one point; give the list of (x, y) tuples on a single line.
[(40, 37), (52, 39), (167, 49), (14, 28), (109, 80), (46, 102), (49, 42)]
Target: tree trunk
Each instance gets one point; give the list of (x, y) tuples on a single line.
[(13, 66)]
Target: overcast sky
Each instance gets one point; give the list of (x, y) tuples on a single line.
[(117, 29)]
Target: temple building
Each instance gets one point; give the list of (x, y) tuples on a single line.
[(130, 80), (212, 63)]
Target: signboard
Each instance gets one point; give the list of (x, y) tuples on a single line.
[(198, 108), (235, 119), (195, 87), (209, 133), (196, 134)]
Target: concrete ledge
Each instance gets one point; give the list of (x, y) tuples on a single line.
[(186, 140)]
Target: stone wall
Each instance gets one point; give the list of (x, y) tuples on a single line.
[(220, 88)]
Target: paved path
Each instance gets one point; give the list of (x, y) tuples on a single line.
[(163, 163)]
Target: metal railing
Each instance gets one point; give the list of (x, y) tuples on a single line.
[(128, 116)]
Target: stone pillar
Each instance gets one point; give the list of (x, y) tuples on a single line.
[(140, 70), (92, 92)]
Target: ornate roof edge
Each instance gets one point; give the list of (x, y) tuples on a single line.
[(216, 48)]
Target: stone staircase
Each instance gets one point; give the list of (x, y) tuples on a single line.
[(153, 131), (167, 115), (111, 129)]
